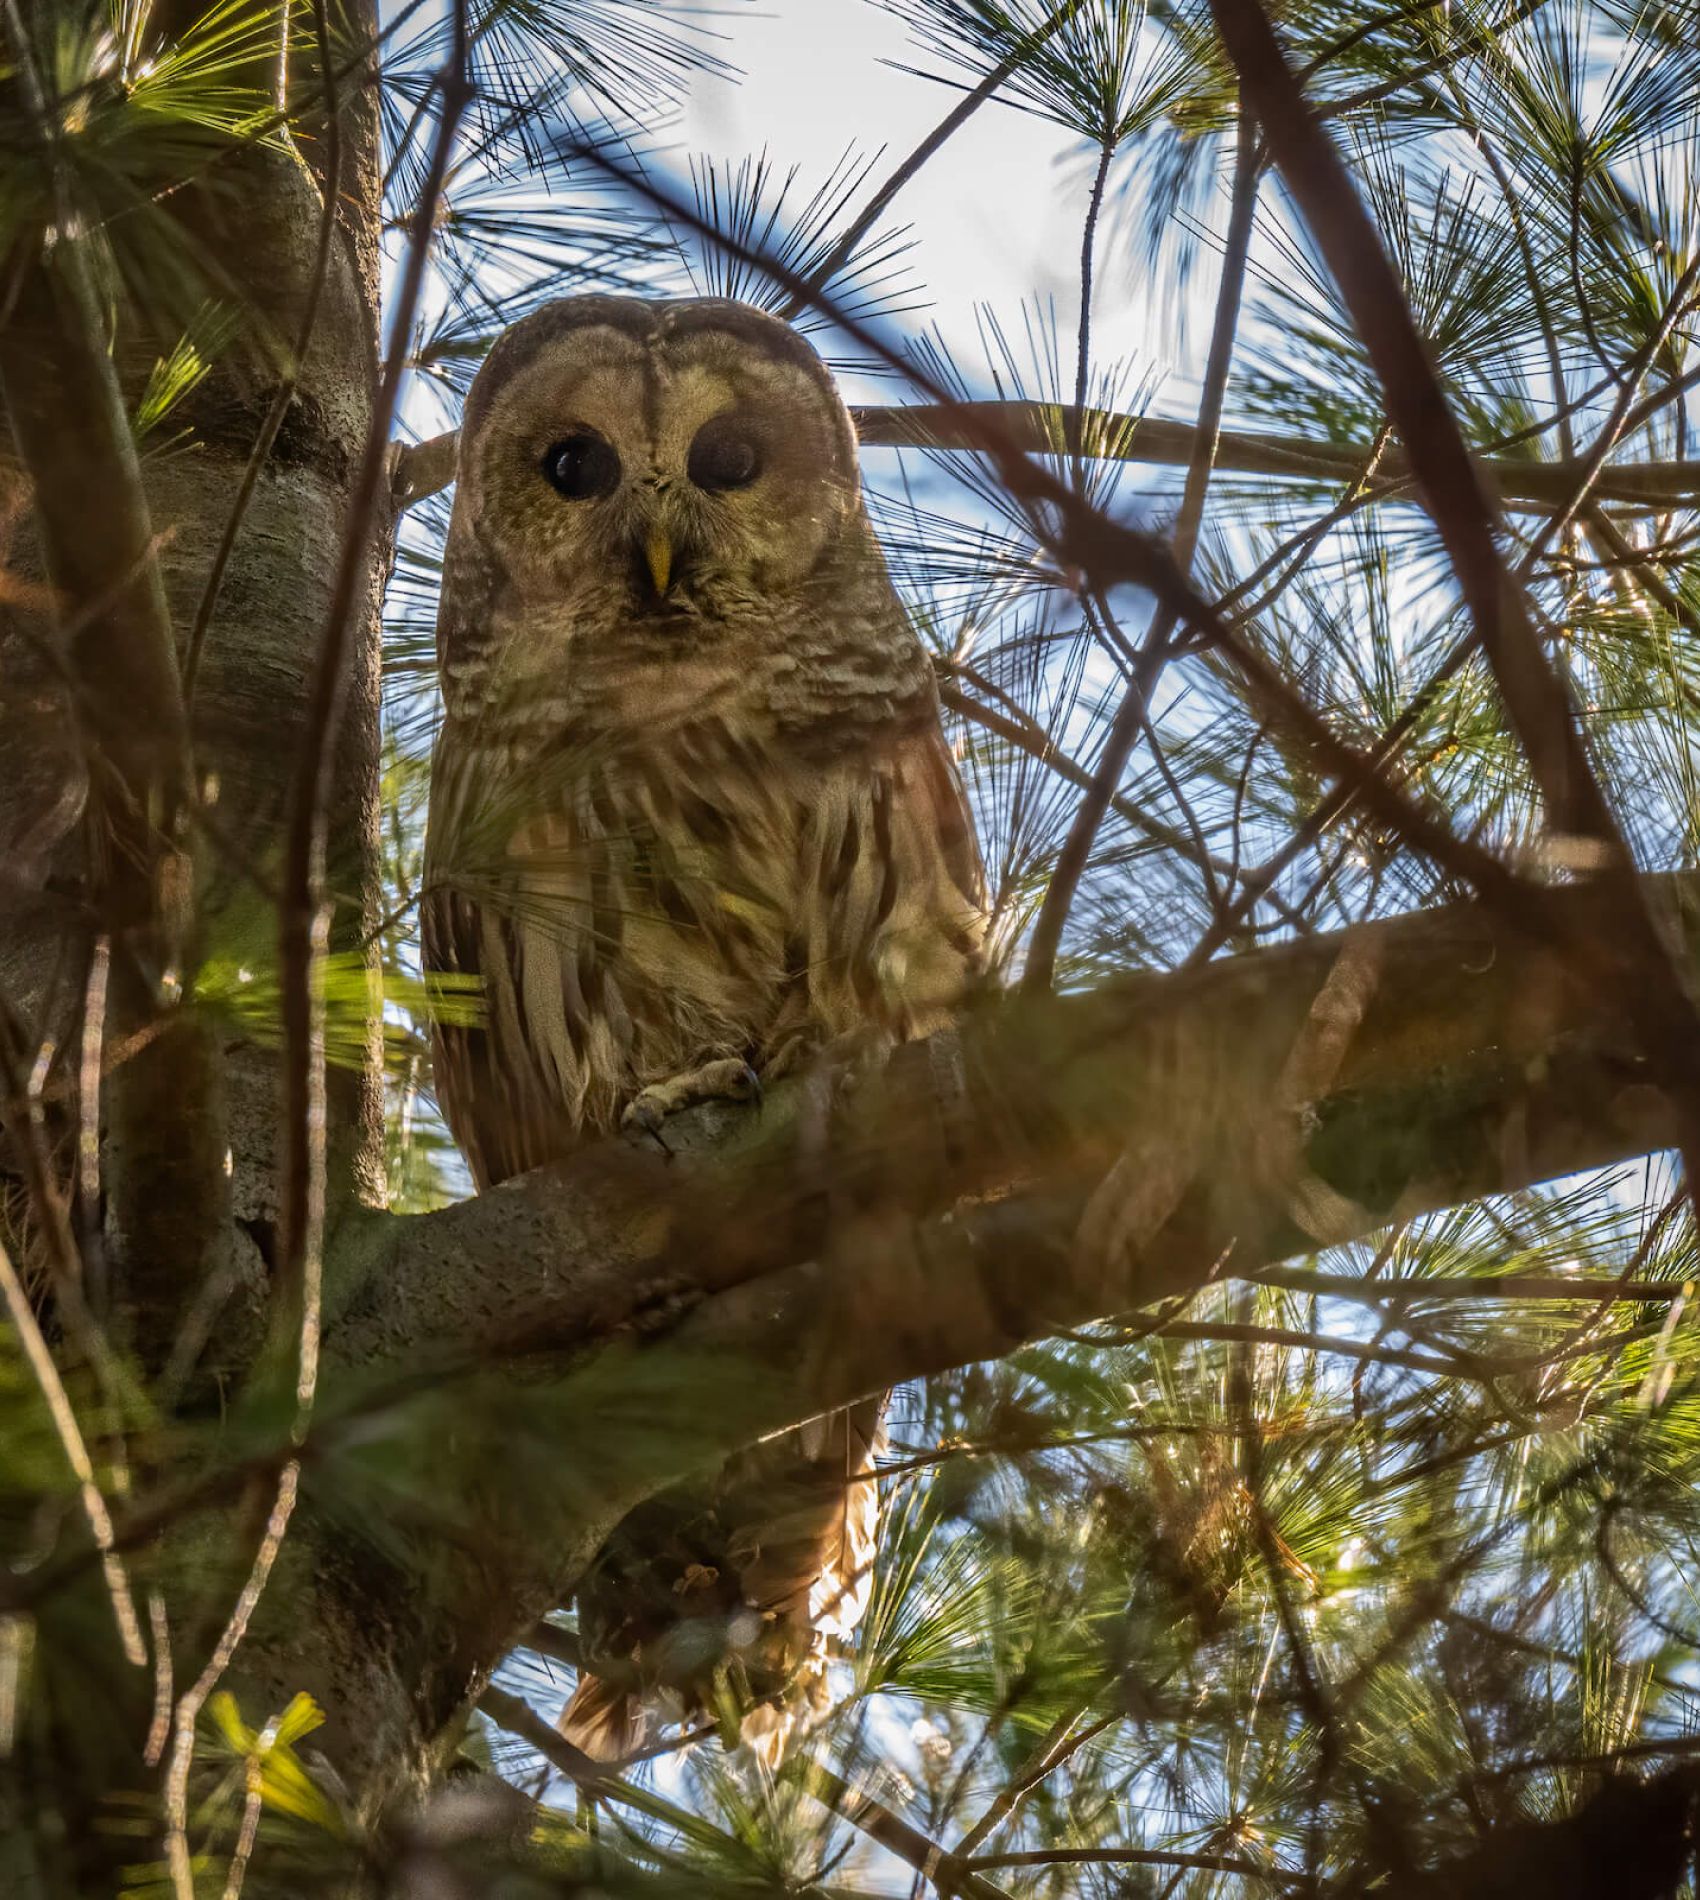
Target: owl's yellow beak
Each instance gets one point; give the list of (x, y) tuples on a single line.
[(658, 558)]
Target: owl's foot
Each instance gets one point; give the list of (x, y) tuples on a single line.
[(728, 1079)]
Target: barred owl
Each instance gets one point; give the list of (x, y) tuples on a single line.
[(692, 817)]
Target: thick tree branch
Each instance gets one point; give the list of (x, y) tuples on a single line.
[(425, 468), (1482, 1064)]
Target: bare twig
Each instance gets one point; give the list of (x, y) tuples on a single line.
[(71, 1441), (194, 1698), (1064, 1740), (1030, 737), (1131, 715), (965, 108)]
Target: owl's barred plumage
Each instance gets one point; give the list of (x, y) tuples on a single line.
[(692, 814)]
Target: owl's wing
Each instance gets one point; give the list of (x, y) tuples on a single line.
[(475, 947), (450, 932), (959, 843)]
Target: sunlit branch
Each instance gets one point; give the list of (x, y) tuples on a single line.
[(71, 1442), (1042, 1095), (425, 468), (948, 1876)]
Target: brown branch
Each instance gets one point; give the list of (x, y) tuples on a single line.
[(1143, 1857), (1064, 1741), (1132, 716), (1441, 1097), (1411, 1289), (1043, 428), (1478, 41), (897, 1836), (1482, 1063)]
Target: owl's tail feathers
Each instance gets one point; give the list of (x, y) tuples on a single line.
[(604, 1720)]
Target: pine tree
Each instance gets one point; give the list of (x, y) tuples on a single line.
[(1287, 1272)]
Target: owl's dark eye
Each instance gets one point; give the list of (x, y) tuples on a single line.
[(582, 465), (726, 454)]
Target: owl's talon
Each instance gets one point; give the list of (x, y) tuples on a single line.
[(644, 1118), (726, 1079)]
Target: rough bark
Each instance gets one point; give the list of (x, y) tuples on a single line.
[(252, 219), (258, 215)]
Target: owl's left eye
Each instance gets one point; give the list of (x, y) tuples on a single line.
[(726, 454), (582, 466)]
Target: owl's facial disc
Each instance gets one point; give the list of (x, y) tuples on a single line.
[(671, 466), (726, 455)]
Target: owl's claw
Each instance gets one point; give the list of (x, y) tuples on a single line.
[(644, 1117), (729, 1079)]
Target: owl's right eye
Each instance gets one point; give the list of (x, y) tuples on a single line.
[(582, 466)]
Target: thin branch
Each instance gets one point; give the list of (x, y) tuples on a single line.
[(896, 1835), (1465, 1286), (194, 1698), (1144, 1857), (1130, 717), (1045, 1761), (1030, 737), (965, 108), (1475, 42), (1045, 428), (71, 1442), (1083, 341), (559, 1645), (597, 1778), (302, 917)]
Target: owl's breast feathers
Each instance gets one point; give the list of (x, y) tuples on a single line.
[(630, 908)]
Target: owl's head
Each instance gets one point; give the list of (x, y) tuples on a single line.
[(675, 453)]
